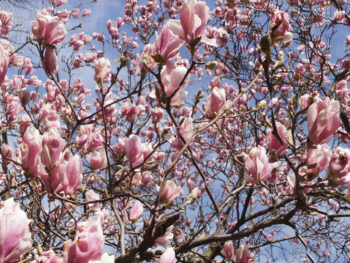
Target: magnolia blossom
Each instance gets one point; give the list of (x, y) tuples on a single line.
[(168, 256), (317, 159), (50, 61), (339, 167), (323, 120), (52, 146), (4, 63), (172, 76), (136, 211), (73, 177), (194, 16), (15, 238), (48, 29), (88, 243), (216, 101), (102, 70), (133, 150), (186, 131), (272, 141), (167, 44), (257, 163), (164, 240), (228, 250), (170, 191), (6, 22), (280, 27), (243, 255), (97, 160), (30, 150)]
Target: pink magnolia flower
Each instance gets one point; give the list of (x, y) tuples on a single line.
[(304, 101), (102, 70), (97, 160), (15, 238), (130, 110), (194, 16), (30, 150), (339, 167), (164, 240), (257, 163), (272, 141), (7, 153), (133, 150), (6, 25), (73, 177), (228, 250), (170, 192), (186, 131), (243, 255), (88, 243), (216, 101), (167, 44), (48, 29), (318, 158), (280, 27), (136, 211), (168, 256), (52, 146), (92, 196), (157, 114), (172, 76), (323, 120), (4, 63)]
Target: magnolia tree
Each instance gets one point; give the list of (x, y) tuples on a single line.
[(215, 132)]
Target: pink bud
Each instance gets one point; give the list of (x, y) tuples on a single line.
[(7, 152), (168, 256), (102, 70), (88, 243), (4, 62), (30, 150), (136, 211), (170, 192), (272, 141), (73, 177), (52, 145), (133, 150), (15, 238), (323, 120)]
